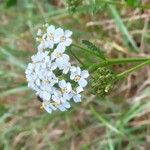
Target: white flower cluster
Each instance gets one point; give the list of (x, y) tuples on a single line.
[(51, 75)]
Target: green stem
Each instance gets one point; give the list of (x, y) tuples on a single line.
[(77, 58), (110, 62), (125, 73), (126, 60)]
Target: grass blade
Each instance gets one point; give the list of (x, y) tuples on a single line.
[(123, 28), (14, 90), (105, 122), (12, 59)]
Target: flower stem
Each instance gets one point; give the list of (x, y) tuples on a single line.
[(76, 58), (125, 73), (110, 62), (126, 60)]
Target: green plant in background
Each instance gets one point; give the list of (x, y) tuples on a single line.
[(73, 4)]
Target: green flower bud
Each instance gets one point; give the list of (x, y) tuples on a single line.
[(102, 81)]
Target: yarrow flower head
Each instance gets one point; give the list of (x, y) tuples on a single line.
[(51, 75)]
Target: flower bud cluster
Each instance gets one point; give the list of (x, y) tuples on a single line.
[(103, 81)]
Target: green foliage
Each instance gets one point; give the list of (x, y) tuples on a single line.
[(123, 29), (10, 3), (3, 110), (92, 47), (95, 6), (105, 121), (133, 3), (73, 5), (84, 6)]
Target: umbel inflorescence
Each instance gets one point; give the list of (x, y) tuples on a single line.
[(51, 75)]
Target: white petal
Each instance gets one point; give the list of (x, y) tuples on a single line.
[(31, 85), (49, 63), (40, 47), (69, 88), (84, 74), (56, 39), (65, 70), (53, 66), (61, 107), (72, 76), (73, 69), (53, 55), (62, 83), (78, 70), (59, 32), (79, 89), (51, 29), (58, 93), (54, 80), (45, 95), (66, 96), (68, 33), (52, 107), (37, 82), (77, 98), (82, 82), (47, 58), (66, 105), (31, 66), (66, 58), (68, 42), (48, 44), (47, 108), (59, 62), (45, 53), (60, 48), (44, 36), (55, 98), (71, 94)]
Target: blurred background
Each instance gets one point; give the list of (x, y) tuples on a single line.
[(120, 121)]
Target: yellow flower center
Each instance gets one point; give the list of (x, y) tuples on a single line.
[(77, 78), (58, 55), (64, 90), (45, 81), (44, 104), (63, 38), (51, 36), (56, 103)]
